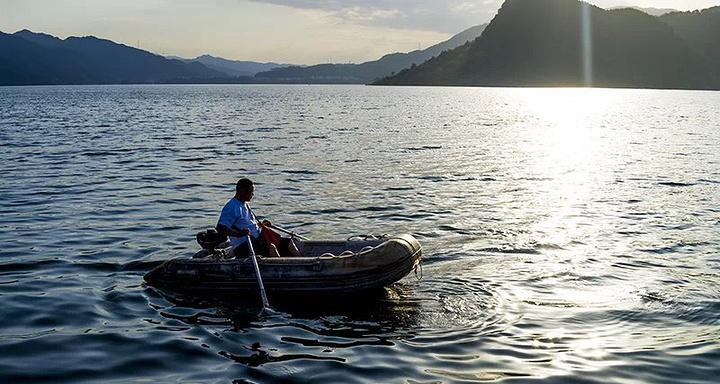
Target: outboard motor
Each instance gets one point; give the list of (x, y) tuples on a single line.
[(210, 239)]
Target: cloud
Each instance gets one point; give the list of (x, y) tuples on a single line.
[(449, 16)]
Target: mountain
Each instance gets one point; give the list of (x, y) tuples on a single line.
[(233, 67), (540, 43), (650, 11), (368, 71), (36, 58), (700, 29)]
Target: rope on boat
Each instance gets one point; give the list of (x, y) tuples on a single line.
[(347, 252)]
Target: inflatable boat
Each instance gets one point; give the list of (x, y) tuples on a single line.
[(349, 266)]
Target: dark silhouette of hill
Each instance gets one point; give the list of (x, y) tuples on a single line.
[(701, 29), (232, 67), (28, 58), (539, 43), (368, 71)]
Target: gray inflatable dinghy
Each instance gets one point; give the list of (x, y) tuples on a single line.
[(349, 266)]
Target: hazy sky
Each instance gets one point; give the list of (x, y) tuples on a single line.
[(288, 31)]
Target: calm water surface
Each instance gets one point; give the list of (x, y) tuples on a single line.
[(571, 236)]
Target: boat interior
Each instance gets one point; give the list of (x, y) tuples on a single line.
[(307, 248)]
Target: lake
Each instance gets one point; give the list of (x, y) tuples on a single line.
[(570, 235)]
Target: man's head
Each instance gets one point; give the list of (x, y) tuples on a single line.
[(244, 190)]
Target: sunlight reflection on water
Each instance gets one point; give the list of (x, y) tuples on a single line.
[(566, 231)]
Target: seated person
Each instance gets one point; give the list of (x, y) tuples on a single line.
[(237, 221)]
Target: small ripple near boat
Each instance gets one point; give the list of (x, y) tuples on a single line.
[(327, 267)]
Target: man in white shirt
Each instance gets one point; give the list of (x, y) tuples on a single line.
[(237, 221)]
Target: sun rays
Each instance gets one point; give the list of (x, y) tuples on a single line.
[(586, 40)]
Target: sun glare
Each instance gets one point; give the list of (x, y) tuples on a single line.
[(564, 143), (568, 118), (587, 48)]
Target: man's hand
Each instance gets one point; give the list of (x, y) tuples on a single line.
[(266, 223), (244, 232)]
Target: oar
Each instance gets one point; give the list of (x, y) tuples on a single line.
[(263, 296), (293, 234), (281, 229)]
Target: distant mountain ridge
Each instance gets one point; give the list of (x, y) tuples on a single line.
[(28, 58), (369, 71), (528, 43), (649, 10), (539, 43), (232, 68)]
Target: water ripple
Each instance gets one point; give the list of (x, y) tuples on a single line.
[(569, 235)]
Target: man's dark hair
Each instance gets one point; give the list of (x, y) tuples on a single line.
[(243, 185)]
